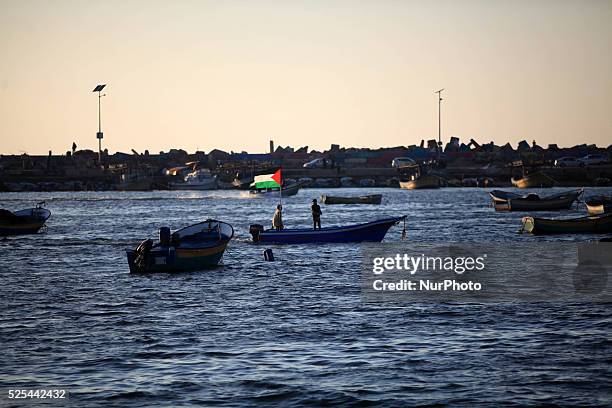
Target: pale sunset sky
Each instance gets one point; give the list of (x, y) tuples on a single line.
[(234, 74)]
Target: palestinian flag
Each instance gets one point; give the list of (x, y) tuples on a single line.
[(267, 181)]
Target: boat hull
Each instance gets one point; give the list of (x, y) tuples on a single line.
[(8, 230), (370, 232), (424, 182), (170, 259), (287, 191), (503, 201), (369, 199), (584, 225), (24, 222)]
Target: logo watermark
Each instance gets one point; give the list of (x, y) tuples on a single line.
[(549, 271)]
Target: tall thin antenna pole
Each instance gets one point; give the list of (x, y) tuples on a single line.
[(439, 121), (439, 116), (280, 191)]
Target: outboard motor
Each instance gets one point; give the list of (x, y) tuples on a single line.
[(141, 262), (164, 236), (255, 230)]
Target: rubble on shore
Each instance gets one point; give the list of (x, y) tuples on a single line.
[(459, 164)]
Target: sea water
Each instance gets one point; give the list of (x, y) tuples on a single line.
[(295, 331)]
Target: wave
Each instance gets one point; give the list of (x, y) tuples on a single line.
[(101, 199)]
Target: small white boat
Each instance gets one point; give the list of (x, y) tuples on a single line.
[(200, 179)]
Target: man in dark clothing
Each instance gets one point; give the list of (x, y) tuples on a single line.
[(277, 221), (316, 214)]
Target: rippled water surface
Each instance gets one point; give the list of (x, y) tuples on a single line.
[(292, 332)]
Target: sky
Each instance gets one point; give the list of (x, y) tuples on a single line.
[(233, 75)]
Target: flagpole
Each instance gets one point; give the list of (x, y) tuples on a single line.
[(281, 187)]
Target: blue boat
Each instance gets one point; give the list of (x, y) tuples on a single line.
[(199, 246), (373, 231), (28, 221)]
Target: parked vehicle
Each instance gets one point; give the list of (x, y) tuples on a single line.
[(367, 182), (347, 182), (400, 162), (594, 159), (325, 182), (567, 162), (306, 182), (316, 164)]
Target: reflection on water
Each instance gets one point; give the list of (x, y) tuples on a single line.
[(292, 331)]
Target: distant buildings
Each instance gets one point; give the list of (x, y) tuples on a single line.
[(81, 169)]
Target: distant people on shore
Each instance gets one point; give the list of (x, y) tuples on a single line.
[(316, 214), (277, 220)]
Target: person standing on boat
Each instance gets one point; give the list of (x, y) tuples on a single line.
[(316, 214), (277, 220)]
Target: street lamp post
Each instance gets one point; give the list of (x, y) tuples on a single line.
[(99, 135), (439, 121)]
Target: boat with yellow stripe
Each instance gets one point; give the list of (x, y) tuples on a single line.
[(28, 221), (196, 247)]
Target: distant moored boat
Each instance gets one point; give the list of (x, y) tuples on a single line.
[(290, 190), (200, 179), (533, 180), (598, 224), (507, 201), (365, 199), (28, 221), (428, 181)]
